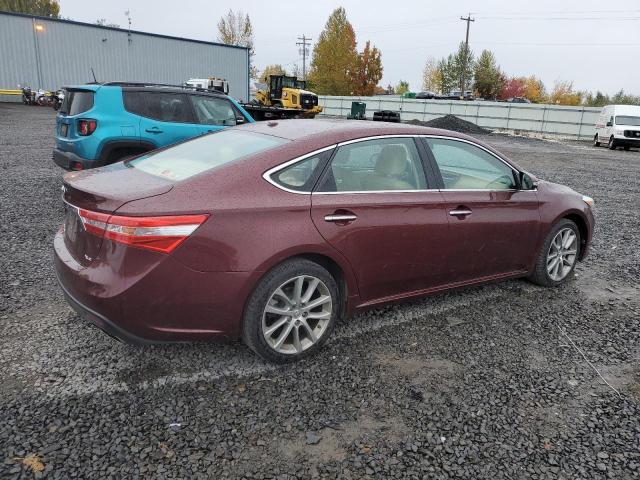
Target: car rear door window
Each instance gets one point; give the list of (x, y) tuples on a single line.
[(162, 106), (464, 166), (390, 164), (214, 111)]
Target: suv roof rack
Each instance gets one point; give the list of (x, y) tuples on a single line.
[(161, 85)]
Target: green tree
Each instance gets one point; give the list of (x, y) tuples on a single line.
[(368, 71), (402, 87), (488, 77), (271, 70), (236, 29), (44, 8), (463, 61), (334, 56), (450, 79)]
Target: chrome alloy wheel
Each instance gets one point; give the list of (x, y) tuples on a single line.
[(562, 254), (297, 314)]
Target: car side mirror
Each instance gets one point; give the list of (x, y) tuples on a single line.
[(240, 120), (609, 123), (527, 182)]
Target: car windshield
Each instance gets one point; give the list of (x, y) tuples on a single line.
[(628, 120), (203, 153)]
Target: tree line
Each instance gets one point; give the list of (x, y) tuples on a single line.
[(489, 82)]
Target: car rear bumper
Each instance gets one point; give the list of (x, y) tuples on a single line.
[(144, 297), (71, 161)]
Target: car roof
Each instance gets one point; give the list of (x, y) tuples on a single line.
[(146, 87), (334, 130)]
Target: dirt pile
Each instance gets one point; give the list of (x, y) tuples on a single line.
[(451, 122)]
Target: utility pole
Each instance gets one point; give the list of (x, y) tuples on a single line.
[(466, 56), (303, 44)]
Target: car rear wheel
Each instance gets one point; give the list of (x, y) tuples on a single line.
[(612, 143), (596, 141), (292, 312), (558, 256)]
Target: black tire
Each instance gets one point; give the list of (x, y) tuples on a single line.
[(596, 142), (540, 276), (612, 143), (252, 334)]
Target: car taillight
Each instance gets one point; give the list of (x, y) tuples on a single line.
[(86, 127), (162, 234)]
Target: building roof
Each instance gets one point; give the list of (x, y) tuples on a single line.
[(117, 29)]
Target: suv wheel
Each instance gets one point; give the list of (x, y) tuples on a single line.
[(292, 311)]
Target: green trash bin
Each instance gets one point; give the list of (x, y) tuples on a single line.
[(358, 111)]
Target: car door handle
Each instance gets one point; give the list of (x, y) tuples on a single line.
[(460, 212), (153, 130), (339, 218)]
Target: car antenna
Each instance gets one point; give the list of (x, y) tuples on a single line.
[(94, 75)]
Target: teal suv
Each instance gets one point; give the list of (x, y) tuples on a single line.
[(99, 124)]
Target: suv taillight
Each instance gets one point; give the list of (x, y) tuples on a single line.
[(162, 234), (86, 127)]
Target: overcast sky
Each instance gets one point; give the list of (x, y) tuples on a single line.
[(593, 43)]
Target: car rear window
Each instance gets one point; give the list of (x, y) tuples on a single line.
[(77, 102), (204, 153)]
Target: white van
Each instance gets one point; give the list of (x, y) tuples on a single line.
[(618, 126)]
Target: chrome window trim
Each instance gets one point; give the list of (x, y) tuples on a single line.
[(267, 175)]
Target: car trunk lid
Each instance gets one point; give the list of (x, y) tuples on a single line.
[(101, 191)]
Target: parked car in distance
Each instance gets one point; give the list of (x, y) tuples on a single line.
[(456, 94), (273, 231), (518, 100), (99, 124), (618, 126), (426, 95)]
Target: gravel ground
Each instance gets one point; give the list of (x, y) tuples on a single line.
[(483, 383)]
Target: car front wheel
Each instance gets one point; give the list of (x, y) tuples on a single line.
[(612, 143), (558, 256), (292, 311)]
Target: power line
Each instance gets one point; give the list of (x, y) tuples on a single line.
[(303, 44)]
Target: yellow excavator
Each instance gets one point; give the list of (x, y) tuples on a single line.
[(284, 97)]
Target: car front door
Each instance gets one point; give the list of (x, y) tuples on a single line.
[(214, 113), (375, 206), (165, 117), (494, 226)]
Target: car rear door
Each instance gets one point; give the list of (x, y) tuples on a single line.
[(494, 226), (165, 117), (374, 205)]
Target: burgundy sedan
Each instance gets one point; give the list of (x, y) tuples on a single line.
[(271, 232)]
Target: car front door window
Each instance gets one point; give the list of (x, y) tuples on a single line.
[(214, 111), (464, 166)]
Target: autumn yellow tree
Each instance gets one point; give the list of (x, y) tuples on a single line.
[(534, 89), (335, 57), (564, 94), (235, 28), (271, 70), (368, 71), (432, 76)]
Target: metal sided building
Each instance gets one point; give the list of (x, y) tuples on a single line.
[(48, 53)]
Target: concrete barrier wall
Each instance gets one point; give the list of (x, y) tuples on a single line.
[(555, 120)]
